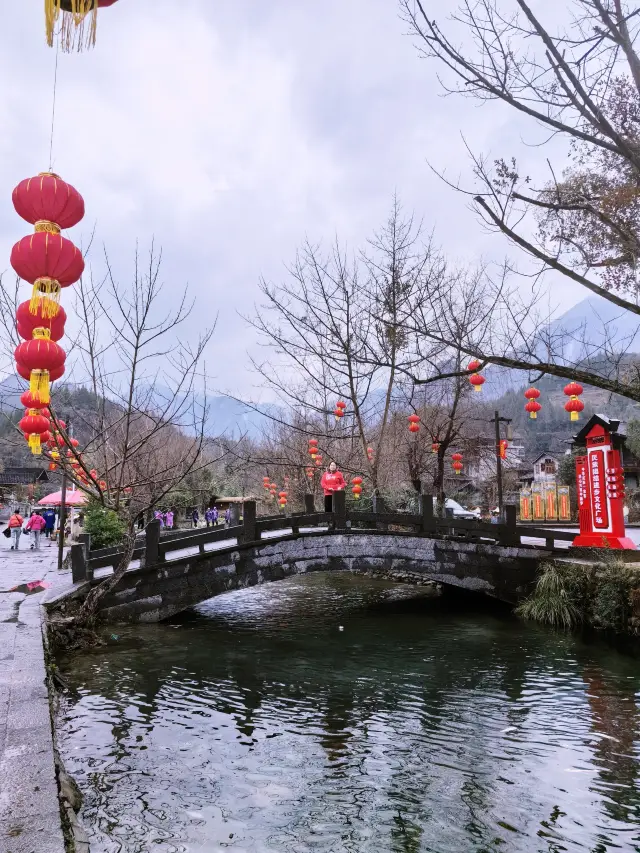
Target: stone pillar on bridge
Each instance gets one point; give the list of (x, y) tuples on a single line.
[(249, 513), (426, 511), (152, 543), (340, 510), (309, 506)]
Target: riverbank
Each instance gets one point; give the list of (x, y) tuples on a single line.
[(30, 820)]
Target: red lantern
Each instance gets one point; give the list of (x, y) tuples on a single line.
[(52, 466), (356, 488), (309, 472), (34, 425), (435, 447), (474, 364), (503, 449), (282, 494), (48, 262), (341, 405), (414, 423), (27, 322), (533, 407), (573, 405), (477, 380), (48, 202), (30, 402), (370, 454), (457, 462), (41, 357), (93, 473), (338, 413), (74, 442), (102, 484)]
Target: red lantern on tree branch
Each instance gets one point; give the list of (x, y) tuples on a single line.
[(356, 488), (533, 407), (33, 424), (48, 202), (573, 404), (476, 379), (457, 462), (414, 423), (27, 322)]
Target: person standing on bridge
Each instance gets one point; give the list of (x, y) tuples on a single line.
[(332, 481)]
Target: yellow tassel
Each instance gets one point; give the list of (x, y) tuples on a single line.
[(575, 416), (46, 292), (477, 387), (533, 415), (34, 443), (39, 386), (78, 28)]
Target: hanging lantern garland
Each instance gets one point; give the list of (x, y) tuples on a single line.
[(573, 405), (476, 379), (414, 423), (532, 406), (370, 454), (49, 262), (435, 446), (75, 20), (456, 463), (282, 499), (313, 447)]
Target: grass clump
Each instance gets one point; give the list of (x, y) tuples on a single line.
[(551, 602), (603, 595)]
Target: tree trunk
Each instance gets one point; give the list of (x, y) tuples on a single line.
[(95, 596)]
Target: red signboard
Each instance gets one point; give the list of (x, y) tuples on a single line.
[(600, 486), (599, 509)]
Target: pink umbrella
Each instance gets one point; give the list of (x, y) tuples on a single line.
[(74, 497)]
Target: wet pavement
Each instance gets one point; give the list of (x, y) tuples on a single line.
[(29, 809)]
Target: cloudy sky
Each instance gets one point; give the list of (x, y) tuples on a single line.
[(229, 131)]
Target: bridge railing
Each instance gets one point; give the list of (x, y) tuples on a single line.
[(155, 548)]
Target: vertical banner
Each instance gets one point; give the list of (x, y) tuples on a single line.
[(525, 505), (564, 503), (550, 501), (599, 508), (537, 501)]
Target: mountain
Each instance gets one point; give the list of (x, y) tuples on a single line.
[(601, 324)]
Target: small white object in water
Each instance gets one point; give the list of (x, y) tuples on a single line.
[(510, 729), (341, 628)]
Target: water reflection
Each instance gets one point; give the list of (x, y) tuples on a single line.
[(256, 724)]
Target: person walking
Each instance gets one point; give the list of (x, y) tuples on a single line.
[(158, 516), (36, 525), (195, 517), (227, 516), (49, 516), (332, 481), (208, 516), (15, 526), (214, 516), (169, 519)]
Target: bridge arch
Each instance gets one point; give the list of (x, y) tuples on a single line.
[(153, 593)]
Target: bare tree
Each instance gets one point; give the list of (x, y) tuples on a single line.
[(337, 327), (579, 81), (144, 431)]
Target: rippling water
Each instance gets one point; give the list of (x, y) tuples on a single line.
[(327, 714)]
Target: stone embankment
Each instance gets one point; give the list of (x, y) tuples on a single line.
[(30, 817)]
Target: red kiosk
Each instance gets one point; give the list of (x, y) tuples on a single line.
[(600, 486)]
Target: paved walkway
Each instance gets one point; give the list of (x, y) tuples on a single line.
[(29, 810)]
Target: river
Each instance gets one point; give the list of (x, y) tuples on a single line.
[(332, 713)]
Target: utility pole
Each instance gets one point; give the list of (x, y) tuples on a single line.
[(63, 509), (496, 419)]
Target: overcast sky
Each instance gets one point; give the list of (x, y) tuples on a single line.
[(231, 130)]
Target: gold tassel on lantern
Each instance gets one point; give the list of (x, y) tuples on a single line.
[(46, 292), (39, 386), (34, 444), (78, 26)]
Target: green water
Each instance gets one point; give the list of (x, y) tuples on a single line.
[(327, 714)]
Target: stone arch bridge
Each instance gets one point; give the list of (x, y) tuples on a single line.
[(176, 571)]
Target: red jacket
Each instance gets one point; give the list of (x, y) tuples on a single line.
[(36, 522), (15, 520), (332, 482)]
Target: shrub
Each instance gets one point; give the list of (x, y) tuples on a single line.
[(551, 603), (105, 527)]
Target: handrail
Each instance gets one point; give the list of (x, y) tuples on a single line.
[(155, 547)]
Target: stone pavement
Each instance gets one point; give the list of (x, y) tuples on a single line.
[(29, 806)]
